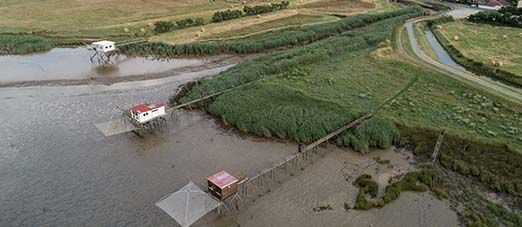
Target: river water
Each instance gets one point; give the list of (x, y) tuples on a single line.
[(74, 63), (57, 169)]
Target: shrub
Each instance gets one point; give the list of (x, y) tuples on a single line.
[(367, 186), (226, 15), (189, 22), (419, 181), (163, 26), (365, 182), (361, 203), (508, 16), (260, 9)]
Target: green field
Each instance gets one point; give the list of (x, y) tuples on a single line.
[(298, 14), (278, 24), (103, 18), (70, 22), (341, 6), (487, 43)]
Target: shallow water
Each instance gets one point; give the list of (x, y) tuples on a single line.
[(57, 169), (75, 64)]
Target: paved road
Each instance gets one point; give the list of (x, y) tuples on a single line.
[(463, 75)]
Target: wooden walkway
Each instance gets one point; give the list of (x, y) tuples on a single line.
[(339, 131), (437, 146)]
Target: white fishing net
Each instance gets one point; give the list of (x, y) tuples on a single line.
[(188, 204)]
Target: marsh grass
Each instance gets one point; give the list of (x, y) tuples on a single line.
[(23, 44), (418, 181)]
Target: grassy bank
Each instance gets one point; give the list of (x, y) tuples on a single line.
[(322, 86), (287, 38), (493, 51), (23, 44)]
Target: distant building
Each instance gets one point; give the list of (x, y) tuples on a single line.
[(144, 113), (104, 46), (492, 4), (222, 185), (519, 4)]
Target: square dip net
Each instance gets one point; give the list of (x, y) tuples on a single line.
[(188, 204)]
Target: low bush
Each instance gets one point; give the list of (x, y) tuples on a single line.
[(24, 44), (167, 26), (226, 15), (260, 9), (365, 182), (189, 22), (508, 16), (419, 181), (163, 26), (366, 186)]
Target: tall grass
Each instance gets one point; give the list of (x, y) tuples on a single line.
[(268, 108), (282, 112), (287, 38), (373, 133), (24, 44)]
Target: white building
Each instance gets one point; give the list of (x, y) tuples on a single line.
[(104, 46), (519, 4), (144, 113)]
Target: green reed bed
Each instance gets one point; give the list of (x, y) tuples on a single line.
[(289, 105), (24, 44)]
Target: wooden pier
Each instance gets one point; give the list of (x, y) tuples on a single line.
[(262, 183)]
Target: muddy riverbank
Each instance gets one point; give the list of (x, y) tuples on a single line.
[(328, 182), (71, 66), (57, 169)]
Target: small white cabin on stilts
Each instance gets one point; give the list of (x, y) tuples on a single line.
[(144, 113), (104, 46), (102, 51)]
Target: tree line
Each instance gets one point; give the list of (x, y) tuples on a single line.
[(248, 11), (167, 26), (509, 16)]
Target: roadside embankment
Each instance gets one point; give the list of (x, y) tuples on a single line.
[(473, 65)]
